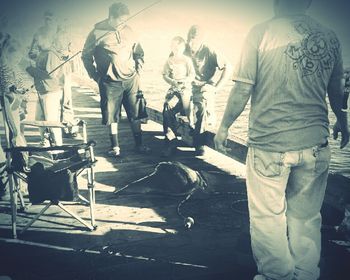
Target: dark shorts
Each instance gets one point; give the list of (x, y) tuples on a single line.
[(114, 94)]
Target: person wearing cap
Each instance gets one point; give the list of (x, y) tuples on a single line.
[(207, 62), (113, 57), (287, 67), (49, 86)]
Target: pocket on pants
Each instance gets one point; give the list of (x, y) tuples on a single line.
[(267, 164), (322, 159)]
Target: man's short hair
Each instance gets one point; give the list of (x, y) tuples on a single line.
[(195, 32), (301, 2), (49, 14), (118, 9)]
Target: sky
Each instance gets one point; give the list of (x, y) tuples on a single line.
[(226, 21)]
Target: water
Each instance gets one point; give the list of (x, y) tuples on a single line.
[(155, 91), (340, 160)]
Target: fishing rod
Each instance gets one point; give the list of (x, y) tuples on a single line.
[(13, 88), (102, 36)]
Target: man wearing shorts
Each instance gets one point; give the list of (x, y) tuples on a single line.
[(113, 48)]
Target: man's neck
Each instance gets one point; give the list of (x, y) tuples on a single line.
[(194, 52), (178, 56), (284, 12)]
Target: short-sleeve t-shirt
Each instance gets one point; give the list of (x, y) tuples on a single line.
[(206, 61), (178, 69), (290, 62)]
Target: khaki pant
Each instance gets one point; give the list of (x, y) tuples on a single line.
[(203, 115), (176, 102), (48, 108)]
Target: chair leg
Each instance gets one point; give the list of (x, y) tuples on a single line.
[(84, 132), (91, 187), (19, 179), (20, 195), (13, 194), (21, 200), (59, 204), (92, 206), (84, 199), (36, 217)]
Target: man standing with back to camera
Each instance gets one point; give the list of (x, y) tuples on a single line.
[(287, 66), (113, 47)]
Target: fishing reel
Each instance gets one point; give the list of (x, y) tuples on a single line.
[(16, 90)]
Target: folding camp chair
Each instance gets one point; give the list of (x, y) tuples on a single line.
[(49, 179)]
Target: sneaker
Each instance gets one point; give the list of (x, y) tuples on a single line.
[(114, 152), (142, 149), (262, 277), (45, 143), (259, 277), (200, 151), (71, 135), (76, 136)]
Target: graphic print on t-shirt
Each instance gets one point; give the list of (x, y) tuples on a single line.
[(316, 52)]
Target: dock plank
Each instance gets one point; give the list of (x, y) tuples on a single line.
[(138, 235)]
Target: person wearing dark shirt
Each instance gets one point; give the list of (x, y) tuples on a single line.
[(207, 62)]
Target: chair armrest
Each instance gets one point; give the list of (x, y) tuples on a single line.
[(71, 165), (43, 124), (91, 143), (51, 124)]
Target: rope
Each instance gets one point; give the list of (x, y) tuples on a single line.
[(134, 182)]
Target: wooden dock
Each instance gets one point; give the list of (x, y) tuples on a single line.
[(140, 235)]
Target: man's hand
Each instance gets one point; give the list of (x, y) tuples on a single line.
[(197, 83), (220, 140), (344, 134), (208, 91), (178, 86), (139, 66)]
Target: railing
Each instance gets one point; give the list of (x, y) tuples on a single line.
[(237, 147)]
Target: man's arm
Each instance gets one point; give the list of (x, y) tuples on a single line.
[(166, 75), (336, 99), (226, 73), (225, 76), (169, 80), (236, 103), (138, 56), (34, 48), (245, 75), (88, 56)]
